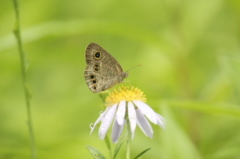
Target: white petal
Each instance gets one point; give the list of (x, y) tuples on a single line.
[(117, 130), (106, 121), (144, 124), (121, 112), (132, 117), (146, 110), (99, 119), (160, 120)]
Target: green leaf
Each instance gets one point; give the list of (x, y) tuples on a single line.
[(143, 152), (118, 146), (106, 139), (95, 153)]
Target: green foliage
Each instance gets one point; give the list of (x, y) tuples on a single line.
[(118, 146), (95, 153), (140, 154), (190, 57)]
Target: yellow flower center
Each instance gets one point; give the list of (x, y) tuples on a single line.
[(126, 94)]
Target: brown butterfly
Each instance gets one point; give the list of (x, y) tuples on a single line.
[(103, 71)]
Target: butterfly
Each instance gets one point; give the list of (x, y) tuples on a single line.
[(102, 71)]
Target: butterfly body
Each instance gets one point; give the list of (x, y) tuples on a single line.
[(102, 71)]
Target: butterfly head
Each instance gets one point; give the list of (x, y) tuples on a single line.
[(122, 76), (125, 75)]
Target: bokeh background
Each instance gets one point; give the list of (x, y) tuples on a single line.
[(190, 57)]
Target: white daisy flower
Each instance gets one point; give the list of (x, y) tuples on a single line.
[(127, 106)]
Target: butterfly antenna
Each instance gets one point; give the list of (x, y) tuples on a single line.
[(133, 67)]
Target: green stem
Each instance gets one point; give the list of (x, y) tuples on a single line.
[(25, 83), (128, 141)]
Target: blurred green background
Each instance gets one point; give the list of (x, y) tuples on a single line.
[(190, 57)]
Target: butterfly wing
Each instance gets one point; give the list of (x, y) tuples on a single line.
[(103, 70)]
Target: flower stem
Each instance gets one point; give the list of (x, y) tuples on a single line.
[(25, 83), (128, 141)]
